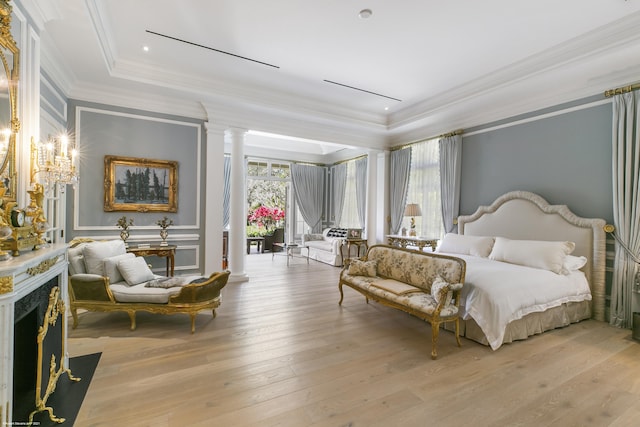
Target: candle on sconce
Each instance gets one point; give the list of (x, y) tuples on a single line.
[(74, 158), (49, 152), (63, 146)]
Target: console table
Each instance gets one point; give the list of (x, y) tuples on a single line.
[(404, 241), (167, 252)]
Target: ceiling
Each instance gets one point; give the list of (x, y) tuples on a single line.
[(317, 71)]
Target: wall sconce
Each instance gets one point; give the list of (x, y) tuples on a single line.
[(56, 161)]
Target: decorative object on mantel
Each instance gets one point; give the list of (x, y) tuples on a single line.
[(412, 210), (55, 161), (124, 225), (164, 223)]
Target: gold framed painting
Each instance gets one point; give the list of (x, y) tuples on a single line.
[(141, 185)]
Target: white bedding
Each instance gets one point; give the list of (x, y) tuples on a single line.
[(496, 293)]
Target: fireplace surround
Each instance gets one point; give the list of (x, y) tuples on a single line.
[(27, 285)]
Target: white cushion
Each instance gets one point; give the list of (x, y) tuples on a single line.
[(532, 253), (135, 270), (110, 266), (76, 260), (95, 252), (479, 246)]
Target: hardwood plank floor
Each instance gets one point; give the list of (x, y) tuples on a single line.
[(281, 352)]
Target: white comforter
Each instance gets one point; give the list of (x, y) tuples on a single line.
[(497, 293)]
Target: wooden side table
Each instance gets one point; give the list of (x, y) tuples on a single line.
[(259, 241), (420, 242), (167, 252), (353, 242)]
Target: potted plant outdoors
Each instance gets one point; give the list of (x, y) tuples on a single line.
[(264, 221), (267, 219)]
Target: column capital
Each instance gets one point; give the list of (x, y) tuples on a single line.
[(236, 131)]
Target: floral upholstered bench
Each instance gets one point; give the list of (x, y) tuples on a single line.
[(426, 285)]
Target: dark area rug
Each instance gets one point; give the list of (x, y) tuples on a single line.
[(68, 397)]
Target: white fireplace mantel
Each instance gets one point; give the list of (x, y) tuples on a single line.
[(19, 276)]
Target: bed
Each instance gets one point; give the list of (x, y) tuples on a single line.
[(510, 293)]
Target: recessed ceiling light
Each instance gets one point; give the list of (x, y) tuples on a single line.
[(365, 13), (386, 108), (145, 48)]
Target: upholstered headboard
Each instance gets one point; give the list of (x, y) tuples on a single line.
[(527, 216)]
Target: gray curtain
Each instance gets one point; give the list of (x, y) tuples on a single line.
[(398, 186), (450, 170), (361, 190), (339, 174), (226, 192), (308, 188), (626, 205)]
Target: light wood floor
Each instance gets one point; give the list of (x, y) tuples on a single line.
[(283, 353)]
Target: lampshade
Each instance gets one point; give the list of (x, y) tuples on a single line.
[(412, 209)]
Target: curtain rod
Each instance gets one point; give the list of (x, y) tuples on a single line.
[(348, 160), (444, 135), (619, 90)]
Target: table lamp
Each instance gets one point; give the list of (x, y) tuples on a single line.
[(412, 210)]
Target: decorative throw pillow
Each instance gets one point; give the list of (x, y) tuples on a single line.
[(438, 284), (135, 270), (165, 282), (95, 252), (546, 255), (479, 246), (362, 268), (110, 266)]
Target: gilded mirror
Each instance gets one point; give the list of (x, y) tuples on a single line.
[(9, 123)]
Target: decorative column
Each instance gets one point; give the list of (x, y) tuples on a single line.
[(214, 195), (238, 201)]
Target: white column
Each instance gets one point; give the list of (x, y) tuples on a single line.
[(238, 201), (214, 191)]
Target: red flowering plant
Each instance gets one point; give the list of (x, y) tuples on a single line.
[(266, 217)]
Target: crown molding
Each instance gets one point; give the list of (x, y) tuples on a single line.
[(41, 11), (579, 50), (103, 31)]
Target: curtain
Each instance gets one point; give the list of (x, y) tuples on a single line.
[(308, 188), (424, 188), (400, 165), (450, 170), (626, 209), (339, 185), (361, 190), (226, 192)]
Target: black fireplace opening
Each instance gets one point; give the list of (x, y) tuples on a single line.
[(29, 317)]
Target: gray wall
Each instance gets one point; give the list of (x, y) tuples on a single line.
[(106, 130), (566, 158)]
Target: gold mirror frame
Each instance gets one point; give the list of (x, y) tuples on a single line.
[(11, 67)]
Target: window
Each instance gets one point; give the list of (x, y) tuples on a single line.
[(424, 189)]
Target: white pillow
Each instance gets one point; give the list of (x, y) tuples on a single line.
[(110, 266), (532, 253), (95, 252), (135, 270), (466, 245), (573, 263)]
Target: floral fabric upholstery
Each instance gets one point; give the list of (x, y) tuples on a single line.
[(417, 269)]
